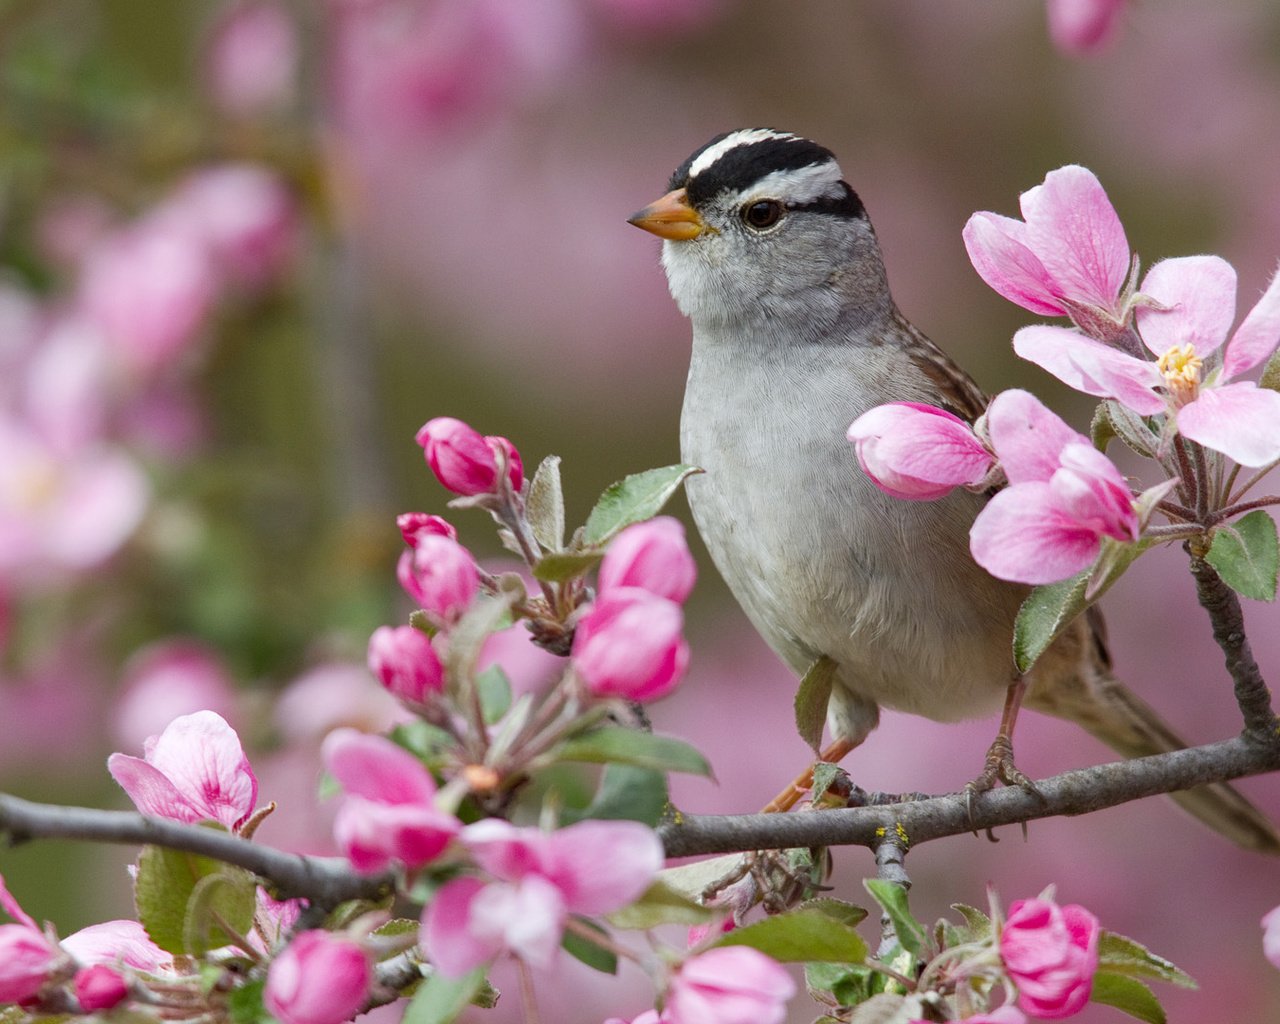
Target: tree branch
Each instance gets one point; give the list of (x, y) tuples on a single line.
[(1223, 606), (324, 881), (1071, 793)]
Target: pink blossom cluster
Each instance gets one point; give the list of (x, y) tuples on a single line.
[(1051, 954)]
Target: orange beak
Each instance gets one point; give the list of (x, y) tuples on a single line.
[(671, 217)]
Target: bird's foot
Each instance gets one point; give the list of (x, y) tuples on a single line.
[(998, 768)]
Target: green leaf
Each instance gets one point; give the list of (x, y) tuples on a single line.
[(1121, 955), (812, 699), (164, 892), (564, 565), (893, 898), (634, 499), (629, 793), (1127, 425), (888, 1008), (1271, 373), (545, 505), (442, 999), (226, 899), (495, 693), (1246, 555), (485, 616), (1127, 994), (977, 925), (244, 1003), (615, 744), (803, 934), (593, 955), (838, 910), (848, 985), (1101, 429), (662, 903)]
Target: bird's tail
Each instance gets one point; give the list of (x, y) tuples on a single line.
[(1108, 710)]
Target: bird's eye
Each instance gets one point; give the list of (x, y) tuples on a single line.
[(762, 214)]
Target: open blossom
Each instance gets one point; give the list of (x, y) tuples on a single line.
[(465, 461), (405, 662), (535, 880), (320, 978), (1051, 953), (918, 452), (653, 556), (27, 956), (729, 985), (1193, 303), (196, 770), (1067, 257), (1063, 497), (631, 644), (1084, 26), (389, 811), (440, 575), (122, 943), (1271, 936)]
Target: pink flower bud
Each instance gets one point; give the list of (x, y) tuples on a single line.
[(417, 524), (630, 644), (251, 64), (405, 663), (917, 452), (321, 978), (1271, 936), (465, 461), (729, 985), (440, 574), (652, 556), (26, 959), (1051, 953), (99, 988)]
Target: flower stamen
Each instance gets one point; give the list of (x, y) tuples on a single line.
[(1180, 367)]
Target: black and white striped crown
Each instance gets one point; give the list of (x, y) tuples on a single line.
[(761, 160)]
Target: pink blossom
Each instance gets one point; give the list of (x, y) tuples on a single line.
[(389, 811), (729, 985), (151, 287), (251, 59), (167, 679), (1051, 953), (917, 452), (1081, 27), (320, 978), (631, 644), (27, 957), (1271, 936), (465, 461), (1068, 257), (195, 770), (417, 524), (1192, 305), (537, 879), (405, 663), (99, 988), (122, 943), (653, 556), (1064, 497), (440, 575)]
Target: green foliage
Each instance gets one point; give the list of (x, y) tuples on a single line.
[(627, 792), (614, 744), (495, 693), (812, 699), (186, 902), (1120, 955), (593, 954), (442, 999), (662, 903), (1246, 555), (1127, 994), (893, 899), (634, 499), (818, 931), (565, 565), (545, 505)]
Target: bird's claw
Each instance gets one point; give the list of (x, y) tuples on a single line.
[(998, 768)]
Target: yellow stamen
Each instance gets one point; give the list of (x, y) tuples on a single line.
[(1181, 369)]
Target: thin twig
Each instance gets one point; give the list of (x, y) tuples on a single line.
[(1231, 511)]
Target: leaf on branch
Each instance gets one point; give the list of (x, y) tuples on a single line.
[(893, 898), (563, 565), (847, 984), (485, 616), (977, 925), (634, 499), (806, 933), (441, 1000), (812, 699), (1271, 373), (1120, 955), (226, 899), (1128, 995), (662, 903), (244, 1003), (627, 793), (615, 744), (1127, 425), (173, 907), (1246, 555), (495, 693), (590, 953), (545, 505)]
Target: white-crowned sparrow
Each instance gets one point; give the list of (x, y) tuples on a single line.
[(771, 256)]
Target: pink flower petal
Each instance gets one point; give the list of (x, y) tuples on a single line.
[(450, 944), (526, 917), (11, 907), (601, 866), (1023, 536), (1200, 292), (151, 791), (201, 755), (505, 851), (1074, 230), (118, 942), (1092, 367), (377, 769), (1257, 337), (1241, 420), (373, 834), (1091, 490), (1027, 436), (999, 251), (1082, 27), (917, 452)]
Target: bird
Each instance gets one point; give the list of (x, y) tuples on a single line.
[(771, 256)]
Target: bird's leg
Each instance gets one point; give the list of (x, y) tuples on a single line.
[(788, 798), (999, 766)]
